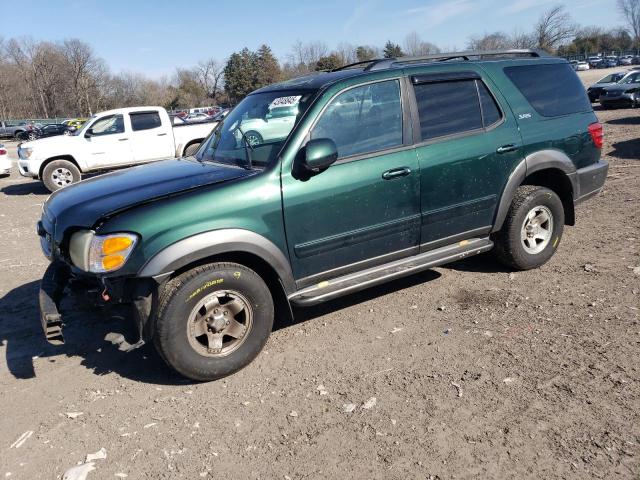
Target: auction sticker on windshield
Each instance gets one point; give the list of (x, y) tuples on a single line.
[(285, 101)]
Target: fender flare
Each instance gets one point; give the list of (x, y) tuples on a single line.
[(540, 160), (216, 242)]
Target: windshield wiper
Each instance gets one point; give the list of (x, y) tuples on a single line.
[(248, 148)]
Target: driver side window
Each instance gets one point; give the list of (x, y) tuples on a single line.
[(364, 119), (108, 125)]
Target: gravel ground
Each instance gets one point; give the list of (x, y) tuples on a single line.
[(466, 371)]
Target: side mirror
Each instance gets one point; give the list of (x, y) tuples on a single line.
[(319, 154), (88, 133)]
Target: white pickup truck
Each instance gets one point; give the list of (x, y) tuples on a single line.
[(109, 140)]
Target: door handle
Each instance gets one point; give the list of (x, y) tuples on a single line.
[(123, 139), (161, 134), (507, 148), (396, 172)]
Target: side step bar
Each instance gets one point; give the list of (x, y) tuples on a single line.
[(354, 282)]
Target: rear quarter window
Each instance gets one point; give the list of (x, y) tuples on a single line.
[(145, 121), (552, 89)]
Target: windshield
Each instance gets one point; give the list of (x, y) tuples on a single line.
[(633, 77), (254, 131)]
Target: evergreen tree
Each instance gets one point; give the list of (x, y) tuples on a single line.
[(267, 68), (392, 50), (328, 62)]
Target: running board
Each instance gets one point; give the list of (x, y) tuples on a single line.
[(354, 282)]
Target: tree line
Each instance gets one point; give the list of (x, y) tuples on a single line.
[(44, 79)]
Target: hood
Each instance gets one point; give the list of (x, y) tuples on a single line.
[(602, 85), (57, 141), (84, 203)]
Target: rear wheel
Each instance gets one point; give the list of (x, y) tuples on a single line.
[(60, 173), (191, 149), (253, 137), (532, 229), (213, 320)]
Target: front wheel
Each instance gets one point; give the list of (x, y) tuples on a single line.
[(532, 229), (59, 174), (213, 320)]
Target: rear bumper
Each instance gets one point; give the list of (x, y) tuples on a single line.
[(590, 180)]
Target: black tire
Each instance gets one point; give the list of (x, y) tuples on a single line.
[(253, 137), (32, 136), (18, 135), (181, 298), (60, 173), (510, 248), (191, 149)]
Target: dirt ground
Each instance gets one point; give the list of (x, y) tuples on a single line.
[(466, 371)]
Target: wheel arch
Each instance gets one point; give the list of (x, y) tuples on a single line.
[(57, 157), (191, 142), (552, 169), (229, 245)]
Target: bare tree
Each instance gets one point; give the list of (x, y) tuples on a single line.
[(414, 46), (489, 41), (554, 27), (210, 74), (630, 10)]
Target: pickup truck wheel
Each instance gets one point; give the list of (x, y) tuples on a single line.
[(532, 229), (59, 174), (191, 149), (213, 320)]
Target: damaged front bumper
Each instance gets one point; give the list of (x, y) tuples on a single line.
[(134, 293), (51, 290)]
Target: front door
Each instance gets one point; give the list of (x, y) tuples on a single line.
[(108, 143), (467, 146), (364, 210)]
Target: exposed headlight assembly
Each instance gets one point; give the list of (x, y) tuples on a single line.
[(25, 153), (101, 253)]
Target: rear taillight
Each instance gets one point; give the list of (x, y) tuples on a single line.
[(3, 151), (597, 135)]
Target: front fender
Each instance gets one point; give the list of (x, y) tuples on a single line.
[(216, 242)]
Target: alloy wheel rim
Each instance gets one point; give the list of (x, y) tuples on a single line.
[(62, 176), (219, 323), (537, 229)]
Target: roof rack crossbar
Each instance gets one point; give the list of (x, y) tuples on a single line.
[(385, 63)]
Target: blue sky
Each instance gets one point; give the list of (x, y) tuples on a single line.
[(156, 36)]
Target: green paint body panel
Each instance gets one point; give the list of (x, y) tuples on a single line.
[(349, 216)]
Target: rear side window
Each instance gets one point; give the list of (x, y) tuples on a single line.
[(552, 90), (454, 107), (145, 120), (448, 108)]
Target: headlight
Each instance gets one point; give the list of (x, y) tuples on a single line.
[(101, 253), (25, 153)]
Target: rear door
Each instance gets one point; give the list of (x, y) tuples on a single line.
[(467, 142), (364, 210), (151, 136)]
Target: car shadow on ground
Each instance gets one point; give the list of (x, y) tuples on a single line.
[(626, 120), (628, 149), (84, 330), (26, 188)]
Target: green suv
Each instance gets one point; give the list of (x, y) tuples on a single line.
[(372, 172)]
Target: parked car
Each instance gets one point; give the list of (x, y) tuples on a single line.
[(635, 60), (74, 122), (113, 139), (44, 131), (626, 60), (582, 66), (5, 162), (389, 168), (221, 114), (595, 62), (11, 130), (610, 62), (597, 88), (197, 117), (625, 93)]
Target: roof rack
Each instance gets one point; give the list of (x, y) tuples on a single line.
[(385, 63)]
